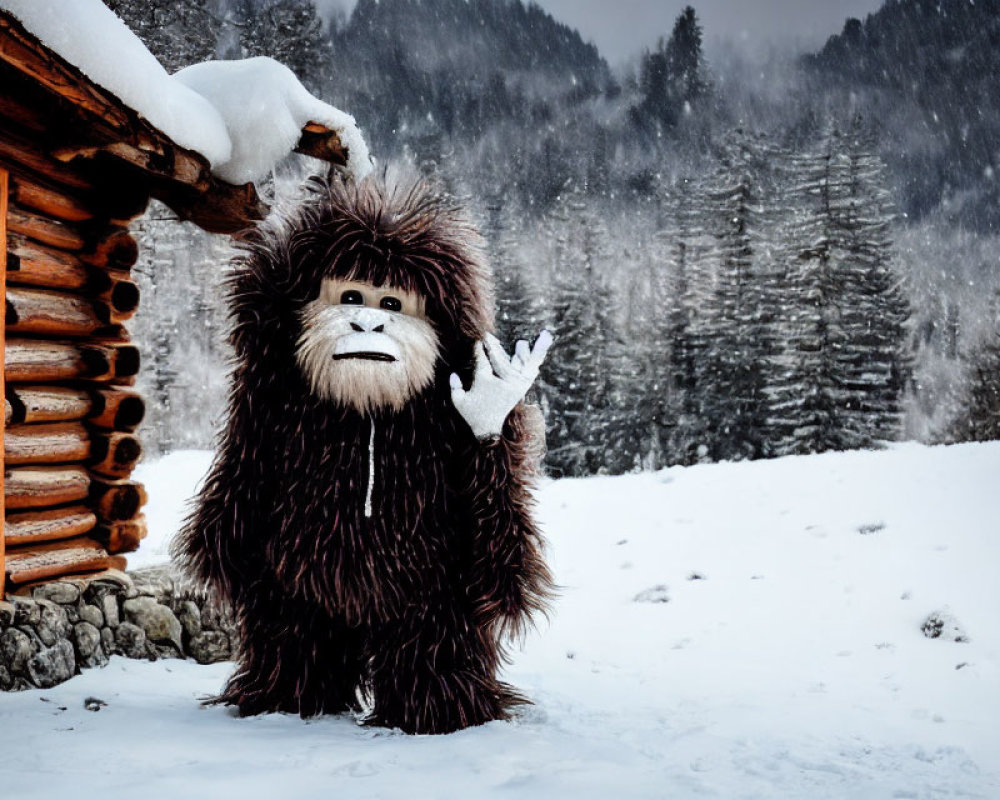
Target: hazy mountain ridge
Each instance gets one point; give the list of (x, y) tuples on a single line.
[(462, 65), (932, 66), (628, 207)]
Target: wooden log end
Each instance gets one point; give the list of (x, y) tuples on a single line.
[(130, 412), (117, 249), (116, 500), (321, 142), (126, 361), (114, 454), (122, 537), (124, 297), (117, 409), (96, 361)]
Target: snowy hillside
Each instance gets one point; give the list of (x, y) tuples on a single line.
[(747, 630)]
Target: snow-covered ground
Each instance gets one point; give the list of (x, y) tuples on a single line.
[(733, 631)]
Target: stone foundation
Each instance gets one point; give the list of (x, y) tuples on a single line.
[(69, 625)]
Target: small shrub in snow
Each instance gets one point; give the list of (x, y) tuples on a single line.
[(942, 625), (654, 594), (871, 527)]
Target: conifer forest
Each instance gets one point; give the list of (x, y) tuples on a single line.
[(741, 254)]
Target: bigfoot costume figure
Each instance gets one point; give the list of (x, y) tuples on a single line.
[(368, 510)]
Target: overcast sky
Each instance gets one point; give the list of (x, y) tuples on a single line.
[(621, 28)]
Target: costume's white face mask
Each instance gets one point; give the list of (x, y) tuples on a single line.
[(367, 346)]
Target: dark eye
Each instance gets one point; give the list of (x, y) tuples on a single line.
[(391, 304), (352, 297)]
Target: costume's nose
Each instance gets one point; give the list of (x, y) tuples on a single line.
[(369, 320)]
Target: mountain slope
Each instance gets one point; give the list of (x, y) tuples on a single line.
[(935, 62), (473, 63)]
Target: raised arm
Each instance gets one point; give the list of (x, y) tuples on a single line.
[(507, 578)]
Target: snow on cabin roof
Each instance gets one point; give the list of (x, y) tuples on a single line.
[(242, 116)]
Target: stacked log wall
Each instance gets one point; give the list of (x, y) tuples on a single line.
[(69, 366)]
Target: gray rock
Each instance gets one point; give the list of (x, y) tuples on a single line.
[(97, 591), (109, 605), (91, 614), (26, 611), (6, 679), (130, 640), (53, 624), (89, 651), (112, 580), (158, 581), (87, 638), (53, 665), (72, 614), (165, 651), (62, 593), (108, 640), (6, 614), (210, 647), (190, 618), (158, 622), (215, 617), (17, 648)]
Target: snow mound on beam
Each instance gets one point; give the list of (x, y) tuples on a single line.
[(264, 108), (93, 39)]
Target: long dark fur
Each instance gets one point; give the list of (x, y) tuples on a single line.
[(411, 605)]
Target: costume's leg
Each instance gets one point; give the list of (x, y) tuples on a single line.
[(433, 671), (293, 657)]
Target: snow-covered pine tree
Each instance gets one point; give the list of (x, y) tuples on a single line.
[(578, 377), (672, 78), (517, 312), (181, 337), (643, 390), (876, 358), (687, 246), (289, 31), (844, 334), (177, 32), (737, 366), (979, 419), (807, 402)]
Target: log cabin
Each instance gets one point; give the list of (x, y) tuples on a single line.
[(76, 165)]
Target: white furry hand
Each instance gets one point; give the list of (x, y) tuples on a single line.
[(500, 383)]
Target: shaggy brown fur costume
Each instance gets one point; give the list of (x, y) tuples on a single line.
[(411, 605)]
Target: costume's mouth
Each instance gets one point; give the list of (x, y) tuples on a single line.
[(364, 356)]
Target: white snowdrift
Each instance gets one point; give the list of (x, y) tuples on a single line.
[(264, 108), (732, 631), (242, 116)]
